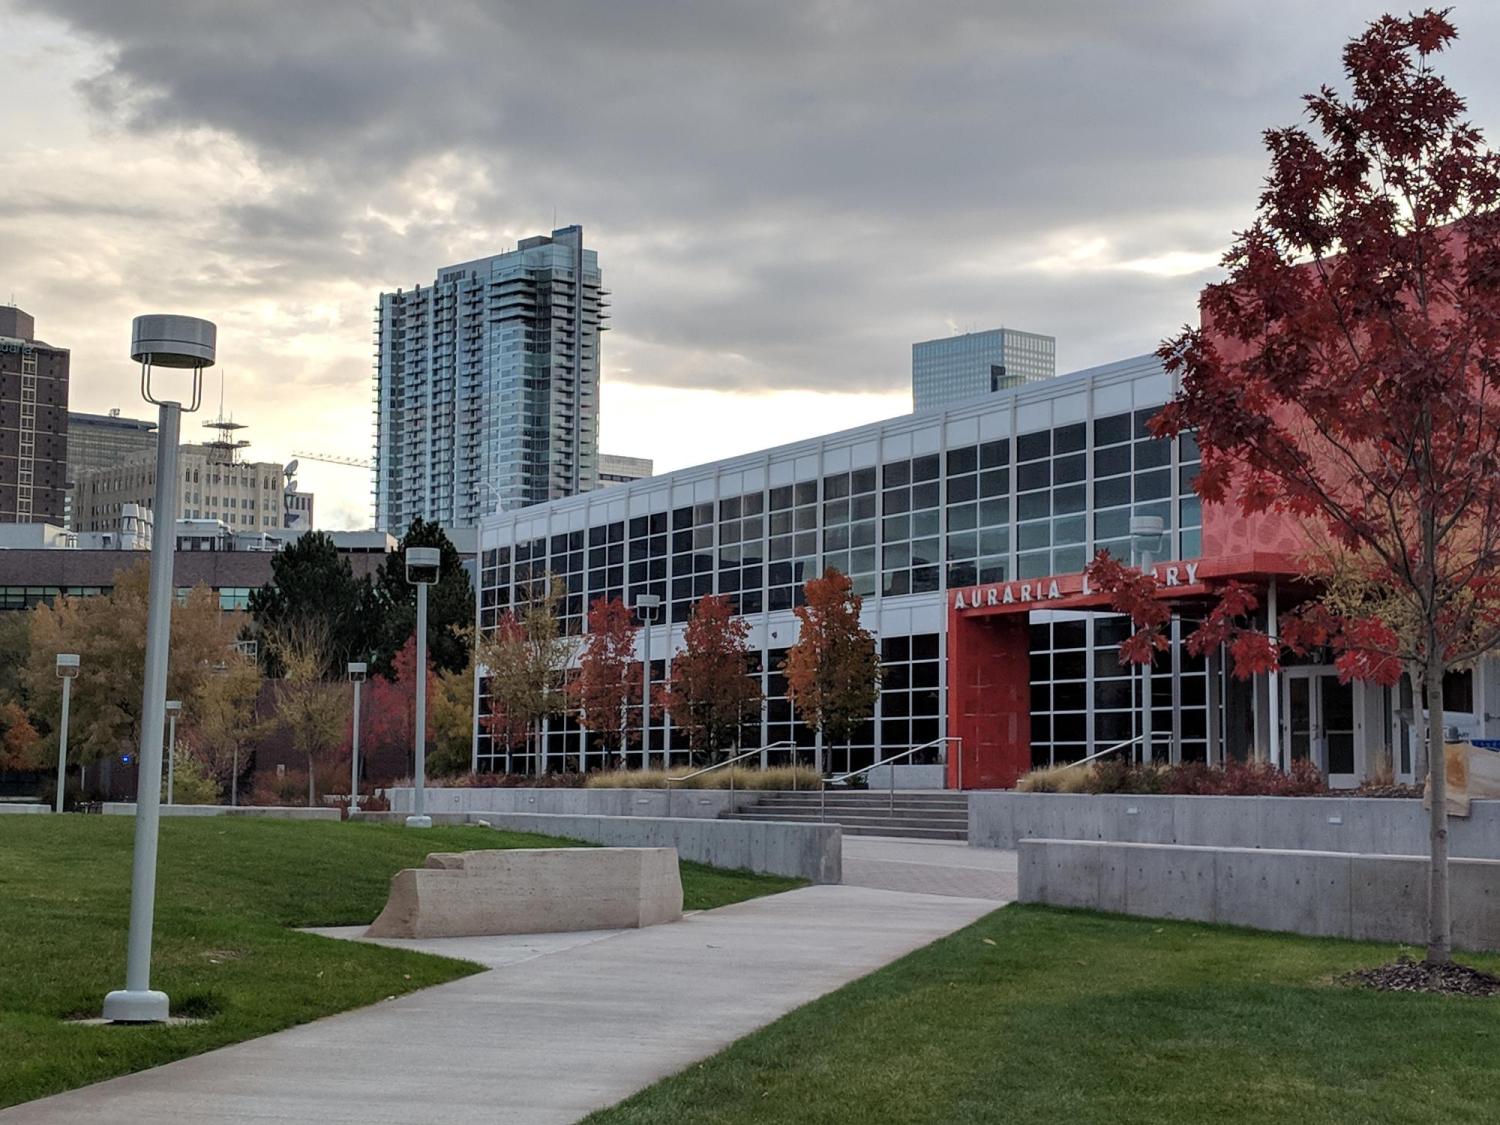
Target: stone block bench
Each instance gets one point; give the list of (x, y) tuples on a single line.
[(532, 891)]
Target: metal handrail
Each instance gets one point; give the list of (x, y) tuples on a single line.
[(1117, 746), (783, 745), (891, 761)]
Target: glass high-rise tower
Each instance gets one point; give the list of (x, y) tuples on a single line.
[(957, 368), (487, 384)]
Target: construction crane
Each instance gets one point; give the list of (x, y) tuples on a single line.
[(336, 459)]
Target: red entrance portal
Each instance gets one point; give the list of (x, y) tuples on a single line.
[(989, 655)]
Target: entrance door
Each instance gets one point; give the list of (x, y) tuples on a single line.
[(1320, 722)]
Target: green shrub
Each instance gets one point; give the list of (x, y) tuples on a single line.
[(191, 783)]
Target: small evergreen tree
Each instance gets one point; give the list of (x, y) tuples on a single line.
[(450, 604), (313, 586)]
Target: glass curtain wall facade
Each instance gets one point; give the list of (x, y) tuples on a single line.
[(955, 369), (1026, 483), (487, 385)]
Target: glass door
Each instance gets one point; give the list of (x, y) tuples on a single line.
[(1319, 716)]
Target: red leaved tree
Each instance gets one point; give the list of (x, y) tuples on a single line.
[(1346, 375), (710, 692), (21, 746), (833, 671), (390, 715), (607, 671)]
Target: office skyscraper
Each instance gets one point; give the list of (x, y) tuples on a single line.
[(956, 368), (33, 423), (487, 385)]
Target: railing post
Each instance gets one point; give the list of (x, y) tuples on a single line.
[(892, 768)]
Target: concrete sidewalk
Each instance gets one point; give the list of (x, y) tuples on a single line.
[(561, 1025), (929, 867)]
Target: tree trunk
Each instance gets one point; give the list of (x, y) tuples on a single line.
[(311, 798), (1439, 922)]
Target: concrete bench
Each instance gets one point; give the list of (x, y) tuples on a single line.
[(532, 891)]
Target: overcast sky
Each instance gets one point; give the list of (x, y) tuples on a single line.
[(784, 196)]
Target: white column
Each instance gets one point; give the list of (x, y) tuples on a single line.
[(1273, 683)]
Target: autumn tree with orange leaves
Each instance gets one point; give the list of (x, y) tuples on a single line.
[(608, 673), (833, 671), (710, 692), (1347, 375)]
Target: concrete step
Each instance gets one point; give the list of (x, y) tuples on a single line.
[(907, 833)]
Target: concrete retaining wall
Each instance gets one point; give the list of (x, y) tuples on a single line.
[(1319, 893), (280, 812), (707, 803), (1395, 826), (17, 808), (803, 851)]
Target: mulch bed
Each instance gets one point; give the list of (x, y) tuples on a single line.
[(1406, 975), (1393, 790)]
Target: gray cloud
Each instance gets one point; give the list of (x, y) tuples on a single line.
[(784, 195)]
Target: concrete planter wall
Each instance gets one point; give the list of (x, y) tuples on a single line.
[(803, 851), (15, 808), (1331, 824), (1319, 893), (279, 812), (692, 803)]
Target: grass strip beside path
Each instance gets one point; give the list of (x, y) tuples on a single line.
[(1037, 1015), (229, 892)]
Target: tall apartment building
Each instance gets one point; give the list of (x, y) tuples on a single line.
[(487, 384), (958, 368), (101, 441), (214, 483), (33, 423), (615, 468)]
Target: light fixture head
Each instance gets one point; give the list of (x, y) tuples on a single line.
[(357, 671), (174, 706), (67, 665), (422, 565)]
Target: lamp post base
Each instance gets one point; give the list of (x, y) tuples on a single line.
[(136, 1006), (419, 822)]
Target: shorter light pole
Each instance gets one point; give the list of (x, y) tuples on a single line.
[(67, 669), (174, 708), (357, 672), (422, 569), (646, 606)]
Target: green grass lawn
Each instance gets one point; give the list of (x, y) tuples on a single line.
[(1035, 1015), (228, 892)]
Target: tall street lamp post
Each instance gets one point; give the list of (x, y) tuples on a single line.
[(422, 566), (174, 708), (357, 672), (187, 343), (67, 668), (646, 606)]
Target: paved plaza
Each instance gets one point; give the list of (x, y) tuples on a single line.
[(562, 1024)]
